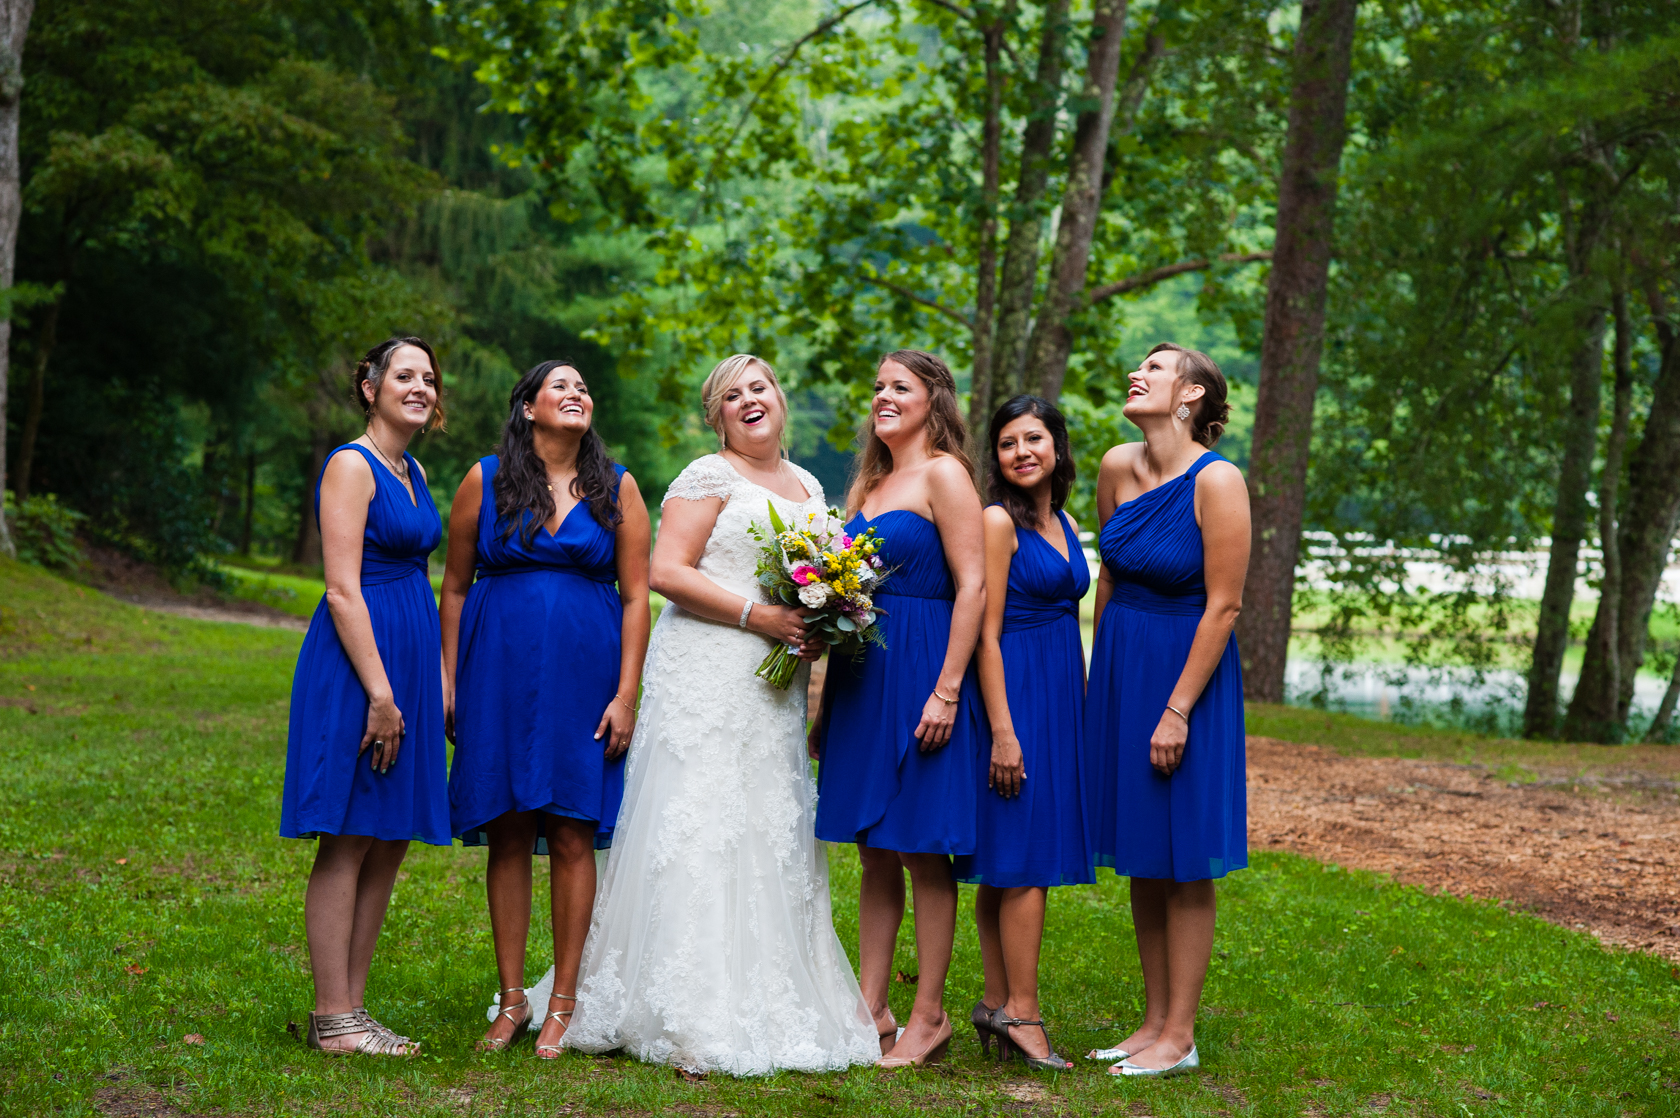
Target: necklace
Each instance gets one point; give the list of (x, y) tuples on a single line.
[(402, 474)]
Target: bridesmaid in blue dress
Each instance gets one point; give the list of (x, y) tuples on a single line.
[(1165, 788), (542, 657), (1032, 831), (901, 737), (368, 686)]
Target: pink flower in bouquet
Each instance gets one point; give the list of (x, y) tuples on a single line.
[(845, 541), (805, 574)]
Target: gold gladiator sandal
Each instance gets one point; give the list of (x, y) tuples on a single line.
[(374, 1042)]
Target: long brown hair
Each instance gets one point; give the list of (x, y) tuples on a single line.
[(1012, 497), (943, 429)]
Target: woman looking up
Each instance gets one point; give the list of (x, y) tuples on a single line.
[(543, 654), (1164, 710), (1031, 832), (368, 685), (900, 739)]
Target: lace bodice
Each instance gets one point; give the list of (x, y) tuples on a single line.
[(731, 554)]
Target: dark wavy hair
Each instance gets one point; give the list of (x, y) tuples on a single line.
[(1012, 497), (521, 483), (376, 362), (1212, 412)]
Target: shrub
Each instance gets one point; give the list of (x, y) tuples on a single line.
[(45, 532)]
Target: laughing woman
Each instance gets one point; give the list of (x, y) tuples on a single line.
[(543, 653), (1031, 832), (1164, 710), (368, 686)]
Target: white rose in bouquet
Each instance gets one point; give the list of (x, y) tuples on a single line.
[(814, 595)]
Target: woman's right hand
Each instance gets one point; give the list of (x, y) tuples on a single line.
[(384, 733), (1009, 768)]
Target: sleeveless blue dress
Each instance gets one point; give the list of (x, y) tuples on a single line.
[(1193, 825), (329, 789), (1039, 837), (536, 666), (874, 784)]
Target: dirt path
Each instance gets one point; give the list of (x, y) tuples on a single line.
[(1603, 855)]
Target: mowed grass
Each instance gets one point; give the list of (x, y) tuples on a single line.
[(144, 897)]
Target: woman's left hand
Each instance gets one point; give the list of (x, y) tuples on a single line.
[(618, 725), (812, 650), (1166, 745)]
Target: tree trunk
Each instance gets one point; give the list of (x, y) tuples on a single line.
[(1081, 200), (985, 288), (1658, 732), (1569, 526), (250, 502), (1294, 337), (1653, 504), (1593, 714), (14, 28), (1026, 217), (307, 551), (44, 347)]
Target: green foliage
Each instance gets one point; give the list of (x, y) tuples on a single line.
[(44, 531)]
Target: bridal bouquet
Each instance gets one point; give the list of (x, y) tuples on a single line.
[(818, 566)]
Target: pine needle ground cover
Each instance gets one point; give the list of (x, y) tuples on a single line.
[(153, 954)]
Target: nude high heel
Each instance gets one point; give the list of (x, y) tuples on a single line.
[(934, 1053)]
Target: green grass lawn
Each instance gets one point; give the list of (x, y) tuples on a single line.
[(144, 896)]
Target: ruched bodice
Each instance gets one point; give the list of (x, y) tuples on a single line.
[(578, 546), (1043, 586), (913, 553), (401, 533), (1152, 546)]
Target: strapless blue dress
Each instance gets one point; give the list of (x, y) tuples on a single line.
[(1040, 836), (536, 666), (1193, 825), (329, 789), (874, 784)]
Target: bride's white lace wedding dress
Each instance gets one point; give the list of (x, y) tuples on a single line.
[(712, 946)]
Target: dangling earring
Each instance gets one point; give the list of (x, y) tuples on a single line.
[(1183, 412)]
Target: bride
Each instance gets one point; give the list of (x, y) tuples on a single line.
[(711, 946)]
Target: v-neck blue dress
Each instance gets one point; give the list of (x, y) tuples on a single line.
[(874, 783), (535, 668), (1192, 825), (329, 789), (1039, 837)]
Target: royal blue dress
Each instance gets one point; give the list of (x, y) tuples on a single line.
[(535, 668), (874, 784), (1039, 837), (329, 788), (1193, 825)]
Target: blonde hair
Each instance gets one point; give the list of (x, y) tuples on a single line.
[(722, 378), (943, 429)]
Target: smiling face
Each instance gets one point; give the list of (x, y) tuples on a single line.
[(1026, 452), (1156, 389), (408, 394), (562, 403), (900, 408), (751, 415)]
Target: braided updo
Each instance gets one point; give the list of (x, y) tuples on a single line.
[(1208, 415), (376, 362)]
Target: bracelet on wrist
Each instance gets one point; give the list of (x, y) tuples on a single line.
[(943, 699), (1180, 713), (746, 608)]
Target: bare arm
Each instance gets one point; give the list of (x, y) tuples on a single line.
[(1108, 482), (683, 531), (458, 579), (1222, 512), (956, 513), (1008, 769), (347, 487), (618, 721)]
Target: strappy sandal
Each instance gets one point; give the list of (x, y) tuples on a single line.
[(374, 1025), (374, 1042), (1002, 1023), (520, 1024), (552, 1051)]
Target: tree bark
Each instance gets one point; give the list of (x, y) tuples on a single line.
[(307, 551), (250, 502), (1569, 526), (985, 288), (14, 28), (44, 346), (1658, 732), (1294, 337), (1593, 714), (1026, 216), (1052, 338)]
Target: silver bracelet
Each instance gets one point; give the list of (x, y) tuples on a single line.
[(1180, 713), (746, 609)]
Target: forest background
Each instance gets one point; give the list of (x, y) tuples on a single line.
[(1435, 245)]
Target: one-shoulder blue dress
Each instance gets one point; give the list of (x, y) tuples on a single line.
[(535, 668), (1039, 837), (874, 783), (329, 788), (1192, 825)]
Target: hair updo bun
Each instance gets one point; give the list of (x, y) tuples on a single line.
[(1210, 414)]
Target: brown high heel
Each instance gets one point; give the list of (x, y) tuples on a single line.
[(934, 1053), (1002, 1023), (982, 1020), (520, 1025)]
